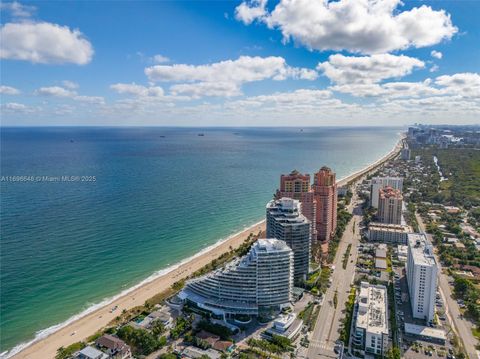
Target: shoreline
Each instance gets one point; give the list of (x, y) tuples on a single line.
[(84, 324)]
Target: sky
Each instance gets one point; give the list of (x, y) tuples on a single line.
[(239, 63)]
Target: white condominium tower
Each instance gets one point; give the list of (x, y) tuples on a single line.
[(421, 276), (286, 222), (381, 182), (260, 282), (371, 325)]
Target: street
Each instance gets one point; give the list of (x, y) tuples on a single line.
[(325, 334)]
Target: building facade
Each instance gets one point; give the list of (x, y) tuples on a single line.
[(378, 183), (325, 190), (260, 282), (388, 233), (390, 202), (371, 325), (297, 186), (422, 273), (286, 222)]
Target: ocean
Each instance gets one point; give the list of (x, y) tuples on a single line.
[(88, 212)]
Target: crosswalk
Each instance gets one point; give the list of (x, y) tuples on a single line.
[(321, 344)]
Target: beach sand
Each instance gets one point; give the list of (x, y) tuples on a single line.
[(86, 326)]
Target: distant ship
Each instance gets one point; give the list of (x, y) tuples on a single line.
[(71, 140), (201, 134), (162, 136)]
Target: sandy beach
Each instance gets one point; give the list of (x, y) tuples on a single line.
[(85, 326)]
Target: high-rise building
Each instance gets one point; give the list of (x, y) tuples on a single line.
[(371, 325), (390, 205), (297, 186), (260, 282), (378, 183), (286, 222), (325, 190), (405, 154), (421, 276)]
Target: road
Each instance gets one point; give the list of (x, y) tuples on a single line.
[(328, 322), (461, 327)]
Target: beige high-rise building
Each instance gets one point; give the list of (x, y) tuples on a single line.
[(390, 205)]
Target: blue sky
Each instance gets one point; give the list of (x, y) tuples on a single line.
[(287, 62)]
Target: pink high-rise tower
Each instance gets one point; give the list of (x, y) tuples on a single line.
[(297, 186), (325, 191)]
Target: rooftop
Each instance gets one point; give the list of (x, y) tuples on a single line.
[(421, 249), (271, 245), (390, 192), (389, 227), (372, 308), (424, 331), (91, 352)]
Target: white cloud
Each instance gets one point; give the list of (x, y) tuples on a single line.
[(61, 92), (465, 84), (226, 77), (8, 90), (434, 68), (14, 107), (367, 69), (44, 43), (200, 89), (462, 85), (137, 90), (17, 9), (160, 59), (436, 54), (70, 84), (55, 91), (249, 12), (93, 100), (365, 26)]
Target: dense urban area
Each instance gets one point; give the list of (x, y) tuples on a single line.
[(386, 265)]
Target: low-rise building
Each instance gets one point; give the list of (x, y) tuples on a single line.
[(115, 347), (90, 353), (426, 333), (388, 233), (381, 251), (193, 353), (371, 325), (285, 325), (402, 251)]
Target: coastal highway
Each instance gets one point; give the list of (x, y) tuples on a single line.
[(461, 327), (328, 322)]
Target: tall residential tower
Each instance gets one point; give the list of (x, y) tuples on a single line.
[(390, 205), (286, 222), (421, 276), (297, 186), (325, 191)]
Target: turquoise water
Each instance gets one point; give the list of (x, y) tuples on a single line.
[(160, 196)]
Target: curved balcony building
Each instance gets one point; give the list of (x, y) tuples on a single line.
[(260, 282)]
